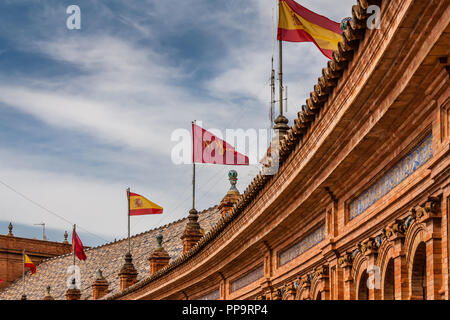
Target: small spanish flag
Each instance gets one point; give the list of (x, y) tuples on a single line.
[(140, 205), (298, 24), (30, 264)]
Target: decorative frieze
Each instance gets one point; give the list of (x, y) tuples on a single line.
[(248, 278), (303, 245), (403, 169), (213, 295)]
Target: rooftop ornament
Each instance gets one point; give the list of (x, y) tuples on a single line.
[(232, 176), (10, 227), (65, 237), (345, 22)]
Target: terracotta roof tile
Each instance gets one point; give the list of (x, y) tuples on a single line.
[(109, 258)]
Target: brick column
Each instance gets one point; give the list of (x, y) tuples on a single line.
[(192, 232), (370, 249), (100, 286), (395, 232), (345, 262), (128, 274), (73, 294), (159, 258), (322, 275), (430, 214)]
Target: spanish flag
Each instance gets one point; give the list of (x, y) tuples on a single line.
[(30, 264), (298, 24), (140, 205)]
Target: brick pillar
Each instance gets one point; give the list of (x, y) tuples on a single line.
[(346, 262), (128, 274), (100, 286), (48, 296), (322, 274), (395, 232), (73, 294), (305, 286), (159, 257), (370, 249), (192, 232), (432, 219)]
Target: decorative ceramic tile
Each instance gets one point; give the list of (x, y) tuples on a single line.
[(214, 295), (303, 245), (249, 278), (403, 169)]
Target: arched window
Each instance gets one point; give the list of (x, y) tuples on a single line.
[(363, 290), (419, 274), (389, 279)]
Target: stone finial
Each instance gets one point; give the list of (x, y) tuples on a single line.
[(48, 296), (66, 235), (232, 176), (159, 239), (345, 22), (281, 126), (128, 273), (10, 227), (191, 234), (159, 257), (232, 196), (100, 286)]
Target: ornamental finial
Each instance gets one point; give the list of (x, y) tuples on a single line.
[(232, 176), (159, 239), (345, 22)]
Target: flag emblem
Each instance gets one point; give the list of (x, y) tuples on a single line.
[(30, 264), (140, 205), (298, 24)]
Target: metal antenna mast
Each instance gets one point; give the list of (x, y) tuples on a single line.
[(44, 237)]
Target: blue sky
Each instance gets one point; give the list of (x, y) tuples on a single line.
[(86, 113)]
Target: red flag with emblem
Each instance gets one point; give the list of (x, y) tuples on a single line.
[(210, 149)]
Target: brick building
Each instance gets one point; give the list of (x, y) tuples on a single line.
[(362, 194), (11, 254)]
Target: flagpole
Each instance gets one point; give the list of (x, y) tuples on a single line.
[(73, 247), (280, 60), (128, 200), (23, 275), (193, 172)]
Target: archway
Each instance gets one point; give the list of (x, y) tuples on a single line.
[(418, 274), (363, 290), (389, 278)]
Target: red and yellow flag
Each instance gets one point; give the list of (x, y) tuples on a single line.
[(140, 205), (30, 264), (298, 24)]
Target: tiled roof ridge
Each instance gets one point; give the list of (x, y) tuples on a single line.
[(351, 38), (133, 236)]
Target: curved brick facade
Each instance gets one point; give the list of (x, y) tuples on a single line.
[(363, 188)]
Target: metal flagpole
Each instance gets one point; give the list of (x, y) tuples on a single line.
[(129, 241), (280, 60), (193, 171), (73, 245), (23, 275)]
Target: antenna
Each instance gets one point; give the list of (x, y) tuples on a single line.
[(272, 95), (44, 237)]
